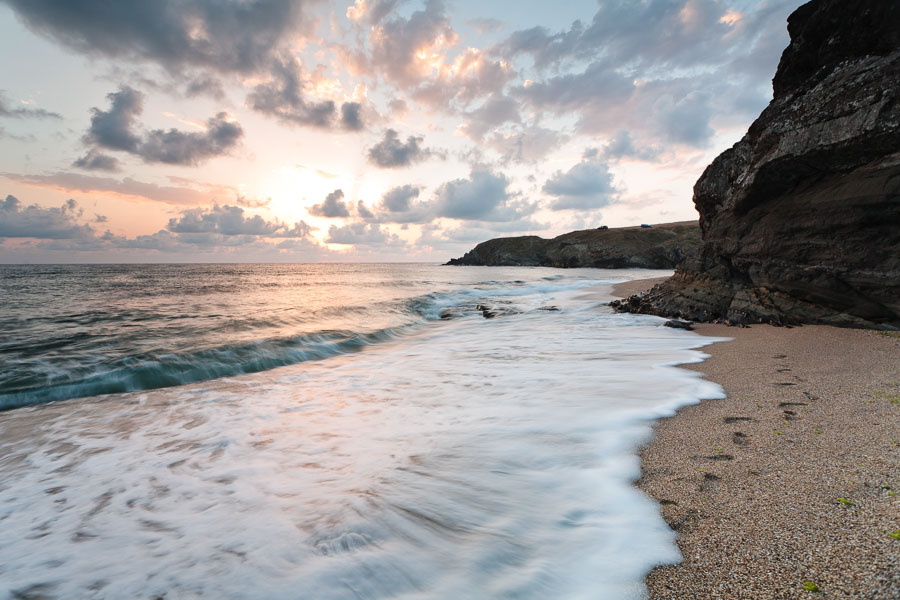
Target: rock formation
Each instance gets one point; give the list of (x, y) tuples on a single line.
[(801, 218), (658, 247)]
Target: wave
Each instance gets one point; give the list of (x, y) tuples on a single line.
[(162, 368)]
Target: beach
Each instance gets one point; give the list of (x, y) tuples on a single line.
[(787, 487)]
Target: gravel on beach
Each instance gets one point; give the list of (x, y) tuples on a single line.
[(789, 487)]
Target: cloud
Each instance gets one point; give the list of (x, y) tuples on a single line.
[(525, 145), (17, 221), (483, 196), (176, 147), (396, 200), (23, 112), (363, 211), (230, 221), (620, 145), (114, 129), (587, 185), (398, 45), (639, 66), (398, 205), (95, 160), (684, 120), (362, 234), (391, 152), (372, 11), (351, 116), (332, 208), (495, 111), (226, 36), (176, 195), (282, 97), (420, 54)]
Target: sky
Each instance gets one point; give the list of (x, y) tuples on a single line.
[(374, 130)]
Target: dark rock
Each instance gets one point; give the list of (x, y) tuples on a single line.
[(662, 247), (486, 312), (675, 323), (801, 218)]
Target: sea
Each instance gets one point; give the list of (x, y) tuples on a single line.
[(330, 431)]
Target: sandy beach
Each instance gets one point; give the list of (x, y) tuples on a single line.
[(786, 488)]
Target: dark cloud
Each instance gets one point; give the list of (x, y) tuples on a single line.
[(204, 85), (17, 221), (95, 160), (363, 211), (227, 36), (391, 152), (587, 185), (231, 221), (114, 129), (351, 116), (333, 207), (176, 147), (362, 234), (399, 205), (24, 112), (176, 195), (483, 196), (282, 97), (397, 200)]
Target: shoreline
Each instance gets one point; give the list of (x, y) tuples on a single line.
[(752, 484)]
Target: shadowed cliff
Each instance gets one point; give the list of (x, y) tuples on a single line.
[(658, 247), (801, 218)]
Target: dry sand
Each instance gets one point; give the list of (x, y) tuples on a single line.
[(792, 478)]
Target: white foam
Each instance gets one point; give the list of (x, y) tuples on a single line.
[(478, 459)]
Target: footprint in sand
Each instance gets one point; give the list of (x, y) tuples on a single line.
[(730, 420)]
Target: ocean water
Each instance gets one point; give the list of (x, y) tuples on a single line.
[(329, 432)]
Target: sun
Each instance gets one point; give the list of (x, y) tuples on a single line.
[(292, 188)]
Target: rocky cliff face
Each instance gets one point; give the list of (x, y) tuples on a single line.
[(801, 218), (658, 247)]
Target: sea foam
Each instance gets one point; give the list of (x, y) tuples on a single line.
[(470, 458)]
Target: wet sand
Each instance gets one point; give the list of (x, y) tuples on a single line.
[(792, 483)]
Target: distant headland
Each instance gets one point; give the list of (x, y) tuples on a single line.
[(660, 246)]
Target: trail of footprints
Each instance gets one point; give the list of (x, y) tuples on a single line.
[(742, 440)]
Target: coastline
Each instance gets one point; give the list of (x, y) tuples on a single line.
[(753, 483)]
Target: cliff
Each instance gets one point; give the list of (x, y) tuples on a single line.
[(801, 218), (657, 247)]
